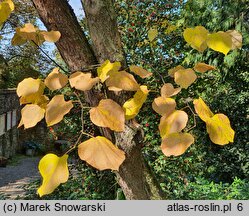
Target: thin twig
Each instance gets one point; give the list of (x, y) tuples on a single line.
[(52, 60), (193, 117), (87, 134), (82, 111)]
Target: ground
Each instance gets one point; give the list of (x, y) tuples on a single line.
[(16, 175)]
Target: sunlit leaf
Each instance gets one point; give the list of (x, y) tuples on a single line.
[(185, 77), (40, 100), (107, 67), (176, 143), (219, 129), (152, 34), (82, 81), (236, 39), (56, 80), (30, 86), (133, 105), (164, 106), (56, 109), (122, 80), (51, 36), (31, 115), (54, 171), (140, 71), (173, 123), (101, 153), (172, 71), (220, 41), (202, 110), (31, 33), (17, 40), (108, 114), (202, 67), (6, 7), (168, 90), (196, 37)]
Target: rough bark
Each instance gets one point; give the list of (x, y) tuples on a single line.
[(134, 176), (73, 45)]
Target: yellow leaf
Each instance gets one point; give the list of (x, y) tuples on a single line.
[(40, 100), (140, 71), (101, 153), (168, 90), (172, 71), (185, 77), (82, 81), (176, 143), (56, 80), (202, 67), (152, 34), (108, 114), (31, 115), (236, 39), (196, 37), (51, 36), (112, 88), (164, 106), (219, 129), (30, 86), (133, 105), (31, 33), (220, 41), (122, 80), (6, 7), (17, 40), (202, 110), (107, 67), (173, 123), (56, 109), (54, 171)]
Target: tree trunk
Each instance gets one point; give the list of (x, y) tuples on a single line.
[(134, 176)]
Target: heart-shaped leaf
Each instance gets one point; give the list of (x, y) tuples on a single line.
[(108, 114), (164, 106), (176, 143), (173, 123), (56, 80), (219, 129), (54, 171), (101, 153), (56, 109)]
